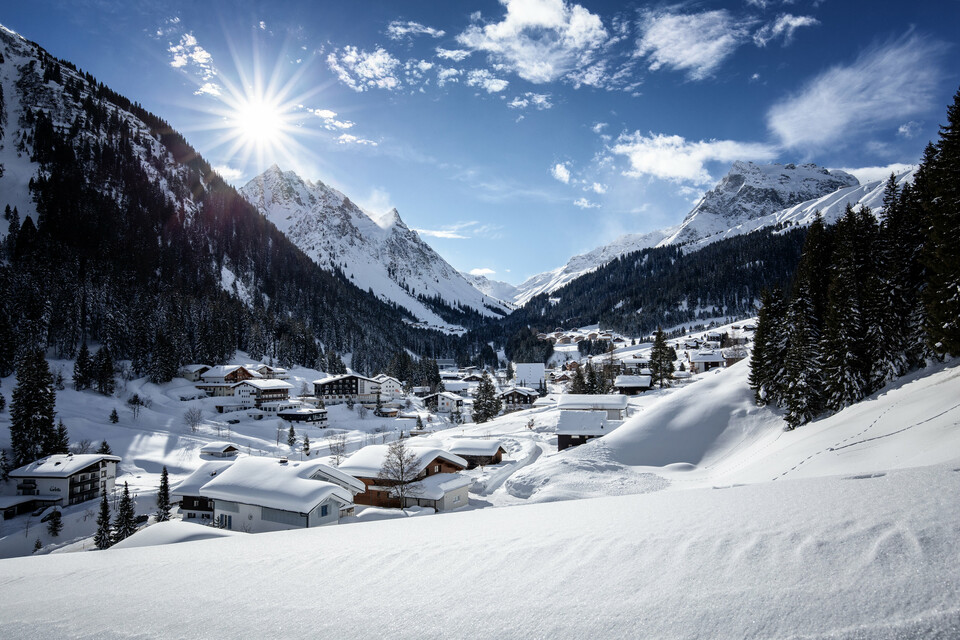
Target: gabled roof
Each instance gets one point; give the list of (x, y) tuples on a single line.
[(193, 368), (269, 482), (445, 394), (385, 378), (707, 356), (438, 485), (266, 385), (222, 370), (190, 486), (591, 401), (217, 447), (524, 391), (633, 381), (60, 465), (474, 447), (582, 423), (334, 475), (367, 462), (344, 376)]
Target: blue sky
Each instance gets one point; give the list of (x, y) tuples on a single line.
[(516, 133)]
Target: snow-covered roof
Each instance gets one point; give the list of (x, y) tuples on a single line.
[(708, 355), (436, 486), (269, 482), (267, 385), (336, 476), (582, 423), (60, 465), (193, 368), (217, 447), (209, 469), (524, 391), (221, 370), (367, 462), (632, 360), (474, 447), (382, 378), (591, 401), (344, 376), (633, 381), (446, 394)]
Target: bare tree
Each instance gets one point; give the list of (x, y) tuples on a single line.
[(338, 448), (400, 472), (84, 446), (193, 418), (362, 412)]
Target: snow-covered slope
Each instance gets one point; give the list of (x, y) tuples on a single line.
[(494, 288), (749, 191), (375, 252)]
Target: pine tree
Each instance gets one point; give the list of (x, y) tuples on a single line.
[(59, 441), (802, 367), (486, 403), (114, 417), (291, 437), (81, 369), (103, 537), (306, 445), (103, 371), (579, 383), (55, 523), (32, 409), (661, 359), (105, 448), (163, 496), (125, 523), (419, 423), (769, 349)]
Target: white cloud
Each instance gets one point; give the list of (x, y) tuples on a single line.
[(361, 70), (482, 272), (459, 230), (346, 138), (330, 121), (538, 101), (599, 127), (886, 83), (484, 79), (695, 43), (754, 77), (263, 25), (561, 172), (228, 173), (398, 30), (188, 55), (447, 74), (870, 174), (784, 26), (457, 55), (598, 188), (674, 158), (583, 203), (539, 40), (909, 129)]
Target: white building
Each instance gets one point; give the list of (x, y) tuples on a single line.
[(269, 494), (67, 479), (614, 405), (446, 402), (576, 427), (390, 388), (530, 374)]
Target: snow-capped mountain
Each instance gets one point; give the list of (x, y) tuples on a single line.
[(494, 288), (748, 192), (379, 253)]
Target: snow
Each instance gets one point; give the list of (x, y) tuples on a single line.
[(583, 423), (474, 447), (591, 401), (436, 486), (172, 532), (268, 482), (190, 486)]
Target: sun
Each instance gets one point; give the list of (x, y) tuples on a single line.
[(258, 121)]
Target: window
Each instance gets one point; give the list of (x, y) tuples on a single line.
[(324, 510), (456, 499), (436, 468)]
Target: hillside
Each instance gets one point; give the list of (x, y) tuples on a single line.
[(380, 254)]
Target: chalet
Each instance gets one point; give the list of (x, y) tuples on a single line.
[(563, 377), (457, 387), (274, 407), (516, 398), (573, 365), (267, 494), (633, 366), (271, 373), (445, 402), (420, 392), (256, 392), (473, 377), (192, 372), (194, 506), (615, 406), (576, 427), (390, 387), (438, 483), (478, 452), (733, 356), (445, 364), (219, 450), (632, 385), (704, 360), (220, 381), (337, 389), (65, 479), (530, 374), (312, 415)]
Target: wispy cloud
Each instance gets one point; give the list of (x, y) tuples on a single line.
[(695, 43), (909, 129), (674, 158), (361, 70), (398, 30), (599, 127), (538, 101), (187, 54), (448, 74), (482, 272), (346, 138), (870, 174), (539, 40), (598, 188), (457, 55), (783, 26), (885, 84), (228, 173), (462, 231), (486, 80), (583, 203), (330, 121), (561, 172)]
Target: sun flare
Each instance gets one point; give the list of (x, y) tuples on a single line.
[(258, 122)]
